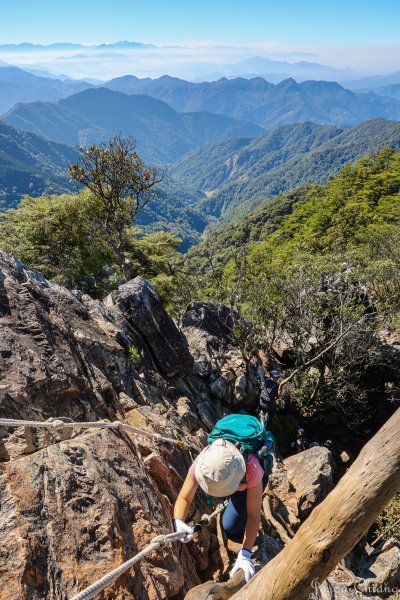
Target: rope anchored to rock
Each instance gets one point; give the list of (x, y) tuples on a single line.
[(157, 542), (69, 423)]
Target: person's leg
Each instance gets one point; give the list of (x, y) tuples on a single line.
[(234, 517)]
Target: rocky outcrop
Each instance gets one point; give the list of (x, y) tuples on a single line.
[(210, 330), (374, 575), (80, 508), (143, 309), (75, 503)]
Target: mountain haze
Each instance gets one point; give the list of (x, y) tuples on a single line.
[(163, 135), (18, 85), (264, 103)]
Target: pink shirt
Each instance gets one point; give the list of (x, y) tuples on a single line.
[(254, 471)]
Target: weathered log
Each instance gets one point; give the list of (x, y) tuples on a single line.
[(211, 590), (336, 525)]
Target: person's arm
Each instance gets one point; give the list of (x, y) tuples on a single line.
[(185, 498), (253, 505)]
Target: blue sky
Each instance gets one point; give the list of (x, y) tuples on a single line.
[(208, 36), (296, 23)]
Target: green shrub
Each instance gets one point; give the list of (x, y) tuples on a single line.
[(134, 355)]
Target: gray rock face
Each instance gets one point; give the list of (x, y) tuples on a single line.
[(214, 319), (372, 577), (139, 303), (310, 474), (301, 483)]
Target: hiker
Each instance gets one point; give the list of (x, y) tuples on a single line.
[(222, 470), (269, 393), (301, 442)]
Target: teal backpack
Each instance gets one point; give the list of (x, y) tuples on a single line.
[(249, 435), (245, 432)]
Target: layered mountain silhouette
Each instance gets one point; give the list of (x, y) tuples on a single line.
[(93, 115), (263, 102), (30, 164), (18, 85), (254, 99)]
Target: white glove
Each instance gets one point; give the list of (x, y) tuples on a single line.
[(245, 563), (180, 525)]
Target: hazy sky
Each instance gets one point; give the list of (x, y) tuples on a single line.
[(310, 22), (361, 34)]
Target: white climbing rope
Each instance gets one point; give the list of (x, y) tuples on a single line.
[(157, 542), (62, 424)]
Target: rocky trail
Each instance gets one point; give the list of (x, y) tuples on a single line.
[(76, 503)]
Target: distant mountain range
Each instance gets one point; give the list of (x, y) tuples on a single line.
[(240, 175), (252, 98), (264, 103), (163, 135), (256, 99), (18, 85), (30, 164), (26, 46), (389, 91), (374, 81), (278, 70)]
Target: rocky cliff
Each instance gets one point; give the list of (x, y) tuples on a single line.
[(76, 503)]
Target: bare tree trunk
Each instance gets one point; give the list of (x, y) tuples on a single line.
[(336, 525)]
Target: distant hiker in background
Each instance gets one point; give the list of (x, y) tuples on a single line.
[(301, 442), (229, 467), (269, 392)]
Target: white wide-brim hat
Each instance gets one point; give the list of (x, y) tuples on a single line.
[(220, 469)]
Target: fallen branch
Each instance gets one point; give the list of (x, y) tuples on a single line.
[(281, 531)]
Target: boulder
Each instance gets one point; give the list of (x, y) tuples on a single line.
[(301, 483), (145, 312), (310, 474), (381, 568), (215, 319)]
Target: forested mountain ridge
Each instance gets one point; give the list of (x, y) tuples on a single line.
[(265, 103), (163, 135), (30, 164), (247, 174), (360, 203), (241, 173)]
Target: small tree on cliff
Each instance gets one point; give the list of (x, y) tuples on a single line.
[(114, 172)]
